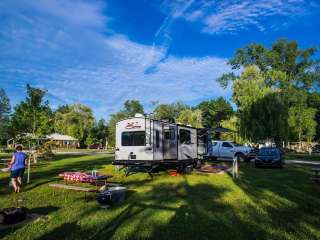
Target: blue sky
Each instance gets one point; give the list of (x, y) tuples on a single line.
[(101, 53)]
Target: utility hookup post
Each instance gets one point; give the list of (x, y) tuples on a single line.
[(235, 167)]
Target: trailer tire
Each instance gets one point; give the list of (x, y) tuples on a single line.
[(197, 163)]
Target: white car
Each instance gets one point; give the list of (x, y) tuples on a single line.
[(228, 150)]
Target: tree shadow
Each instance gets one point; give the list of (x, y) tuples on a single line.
[(45, 210), (48, 173), (287, 196), (65, 231)]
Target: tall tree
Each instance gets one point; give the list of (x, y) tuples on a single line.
[(131, 107), (33, 115), (284, 65), (169, 111), (262, 113), (191, 117), (215, 111), (302, 123), (266, 118), (4, 116), (76, 120), (98, 133), (314, 102), (112, 126)]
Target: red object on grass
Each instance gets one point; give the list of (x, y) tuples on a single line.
[(80, 177), (174, 173)]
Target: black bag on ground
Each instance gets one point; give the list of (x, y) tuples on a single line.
[(12, 215)]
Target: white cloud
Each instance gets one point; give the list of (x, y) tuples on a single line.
[(48, 48), (230, 16), (187, 79), (240, 15)]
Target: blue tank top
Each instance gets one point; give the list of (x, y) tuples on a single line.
[(19, 161)]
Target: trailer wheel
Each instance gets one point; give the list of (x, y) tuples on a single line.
[(197, 163)]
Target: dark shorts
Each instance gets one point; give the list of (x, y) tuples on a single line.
[(17, 173)]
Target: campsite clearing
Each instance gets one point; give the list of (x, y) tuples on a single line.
[(261, 204)]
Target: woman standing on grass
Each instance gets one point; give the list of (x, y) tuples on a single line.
[(17, 165)]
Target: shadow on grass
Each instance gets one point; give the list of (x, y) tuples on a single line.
[(276, 205), (261, 204), (65, 231), (287, 196), (39, 210), (49, 171)]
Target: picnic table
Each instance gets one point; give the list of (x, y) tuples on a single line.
[(83, 177), (316, 174), (70, 178)]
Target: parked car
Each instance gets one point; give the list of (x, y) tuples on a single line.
[(227, 150), (269, 156), (95, 146)]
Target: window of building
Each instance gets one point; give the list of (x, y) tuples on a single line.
[(137, 138), (185, 136)]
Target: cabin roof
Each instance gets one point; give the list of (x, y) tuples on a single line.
[(61, 137)]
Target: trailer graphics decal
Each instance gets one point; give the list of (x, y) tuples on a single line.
[(132, 125)]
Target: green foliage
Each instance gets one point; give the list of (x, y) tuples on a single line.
[(131, 107), (91, 139), (301, 122), (249, 88), (75, 120), (266, 118), (191, 117), (4, 105), (275, 80), (112, 126), (262, 112), (214, 111), (4, 116), (33, 115), (313, 101), (285, 64), (98, 133), (233, 123), (169, 111)]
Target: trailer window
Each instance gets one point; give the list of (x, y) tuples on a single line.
[(157, 139), (169, 134), (137, 138), (185, 136)]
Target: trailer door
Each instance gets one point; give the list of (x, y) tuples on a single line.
[(170, 148), (157, 141), (187, 143)]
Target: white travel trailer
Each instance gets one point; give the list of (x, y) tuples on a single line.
[(142, 140)]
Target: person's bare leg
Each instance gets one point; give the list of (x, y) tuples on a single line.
[(19, 180), (14, 184)]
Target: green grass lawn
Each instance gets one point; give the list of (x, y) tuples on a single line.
[(302, 156), (261, 204)]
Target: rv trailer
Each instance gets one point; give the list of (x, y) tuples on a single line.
[(143, 141)]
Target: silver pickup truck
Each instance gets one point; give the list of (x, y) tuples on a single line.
[(227, 150)]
